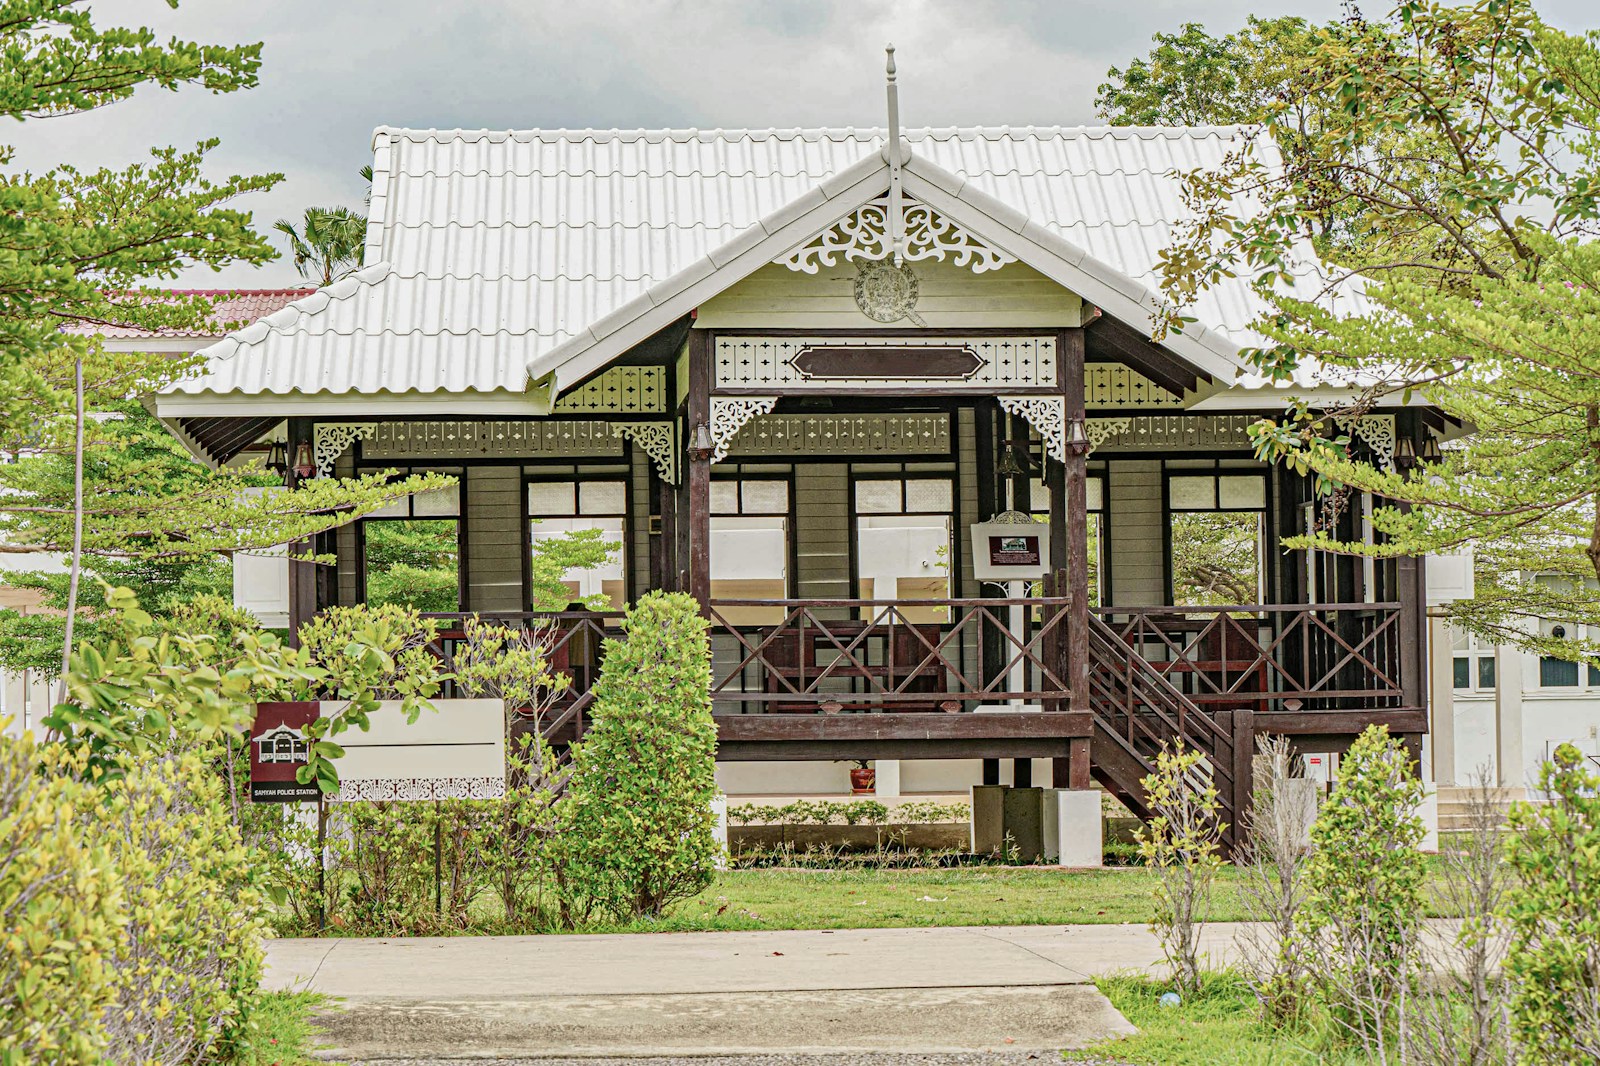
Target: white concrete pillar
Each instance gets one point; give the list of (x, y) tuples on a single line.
[(887, 782), (1442, 728), (719, 832), (1073, 827), (1508, 662), (1428, 810)]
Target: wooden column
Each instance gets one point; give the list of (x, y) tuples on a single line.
[(302, 575), (1070, 368), (698, 518)]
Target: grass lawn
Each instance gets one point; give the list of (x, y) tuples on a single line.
[(1217, 1028), (870, 899), (284, 1033)]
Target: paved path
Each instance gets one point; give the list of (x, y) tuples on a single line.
[(953, 990)]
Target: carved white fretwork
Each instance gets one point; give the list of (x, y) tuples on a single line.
[(1099, 430), (752, 361), (1048, 415), (1114, 385), (620, 390), (657, 440), (864, 235), (419, 789), (729, 415), (451, 439), (1376, 431), (835, 434), (334, 437)]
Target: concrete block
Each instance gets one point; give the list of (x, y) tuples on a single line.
[(719, 832), (1024, 822), (887, 783), (1429, 812), (1073, 827), (988, 819)]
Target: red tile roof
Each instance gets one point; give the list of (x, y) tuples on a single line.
[(237, 305)]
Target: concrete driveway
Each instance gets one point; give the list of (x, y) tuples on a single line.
[(691, 994)]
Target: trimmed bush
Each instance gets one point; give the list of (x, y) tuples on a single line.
[(635, 826), (187, 968), (60, 913), (1553, 960)]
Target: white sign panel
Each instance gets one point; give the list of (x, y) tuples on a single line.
[(1008, 551), (1449, 577), (457, 751)]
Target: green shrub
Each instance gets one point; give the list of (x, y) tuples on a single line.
[(1553, 960), (187, 967), (60, 913), (1364, 890), (635, 825), (1181, 842)]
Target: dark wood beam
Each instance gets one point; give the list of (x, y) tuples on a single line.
[(1109, 340), (698, 504), (793, 728)]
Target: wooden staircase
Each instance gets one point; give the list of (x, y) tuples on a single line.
[(1136, 711)]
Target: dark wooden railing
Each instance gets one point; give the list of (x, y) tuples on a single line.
[(1272, 657), (809, 656)]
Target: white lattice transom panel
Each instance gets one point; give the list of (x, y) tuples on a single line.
[(756, 362), (863, 235)]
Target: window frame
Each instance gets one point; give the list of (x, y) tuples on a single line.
[(459, 518), (740, 473), (576, 475), (1216, 468)]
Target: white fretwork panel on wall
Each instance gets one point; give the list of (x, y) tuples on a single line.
[(752, 362), (448, 439), (1375, 431), (844, 435), (620, 390), (1115, 385), (863, 235), (1174, 432), (658, 440)]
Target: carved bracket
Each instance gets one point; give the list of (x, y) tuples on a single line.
[(658, 440), (334, 437), (1376, 431), (729, 414), (864, 235), (1100, 430), (1047, 414)]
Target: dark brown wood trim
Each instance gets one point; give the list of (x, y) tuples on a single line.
[(698, 519)]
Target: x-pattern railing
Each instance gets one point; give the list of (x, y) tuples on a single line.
[(868, 653), (1319, 656)]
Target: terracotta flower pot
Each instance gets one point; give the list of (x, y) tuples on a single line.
[(863, 780)]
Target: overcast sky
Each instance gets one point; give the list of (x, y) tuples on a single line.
[(334, 69)]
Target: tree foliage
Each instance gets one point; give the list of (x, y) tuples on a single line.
[(1451, 195), (328, 244)]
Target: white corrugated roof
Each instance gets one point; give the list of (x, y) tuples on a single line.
[(497, 254)]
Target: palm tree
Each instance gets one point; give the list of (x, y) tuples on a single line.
[(328, 245)]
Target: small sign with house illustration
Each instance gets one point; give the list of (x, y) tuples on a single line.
[(279, 747)]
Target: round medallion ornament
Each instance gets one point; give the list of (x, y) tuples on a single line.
[(885, 292)]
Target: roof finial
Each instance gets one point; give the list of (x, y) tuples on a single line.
[(896, 216)]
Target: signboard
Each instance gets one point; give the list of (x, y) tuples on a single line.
[(1006, 551), (456, 751), (279, 747)]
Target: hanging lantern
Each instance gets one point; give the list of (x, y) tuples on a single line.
[(278, 458), (304, 465)]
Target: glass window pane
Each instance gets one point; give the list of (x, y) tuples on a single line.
[(577, 560), (1485, 671), (878, 497), (724, 497), (926, 496), (1557, 673), (603, 498), (1216, 558), (440, 503), (1463, 673), (414, 563), (398, 509), (766, 497), (1094, 491), (1594, 677), (1193, 493), (1241, 492), (552, 498)]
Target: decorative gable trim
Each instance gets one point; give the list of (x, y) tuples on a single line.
[(864, 235)]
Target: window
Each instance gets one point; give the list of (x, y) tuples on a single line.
[(576, 542), (1473, 667), (411, 551), (904, 529), (750, 547), (1217, 529), (1563, 673)]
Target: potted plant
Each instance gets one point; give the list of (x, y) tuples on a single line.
[(863, 778)]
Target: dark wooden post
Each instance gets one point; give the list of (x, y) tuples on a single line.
[(1242, 724), (302, 575), (698, 424), (1070, 369)]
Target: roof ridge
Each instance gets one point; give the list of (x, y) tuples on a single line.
[(689, 133)]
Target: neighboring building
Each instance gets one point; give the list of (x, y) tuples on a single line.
[(24, 697), (700, 342)]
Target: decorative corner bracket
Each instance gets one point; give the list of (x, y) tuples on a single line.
[(1047, 414), (1376, 431), (333, 438), (729, 414), (867, 233), (658, 440), (1100, 430)]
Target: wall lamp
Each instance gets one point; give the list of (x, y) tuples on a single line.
[(1077, 437)]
